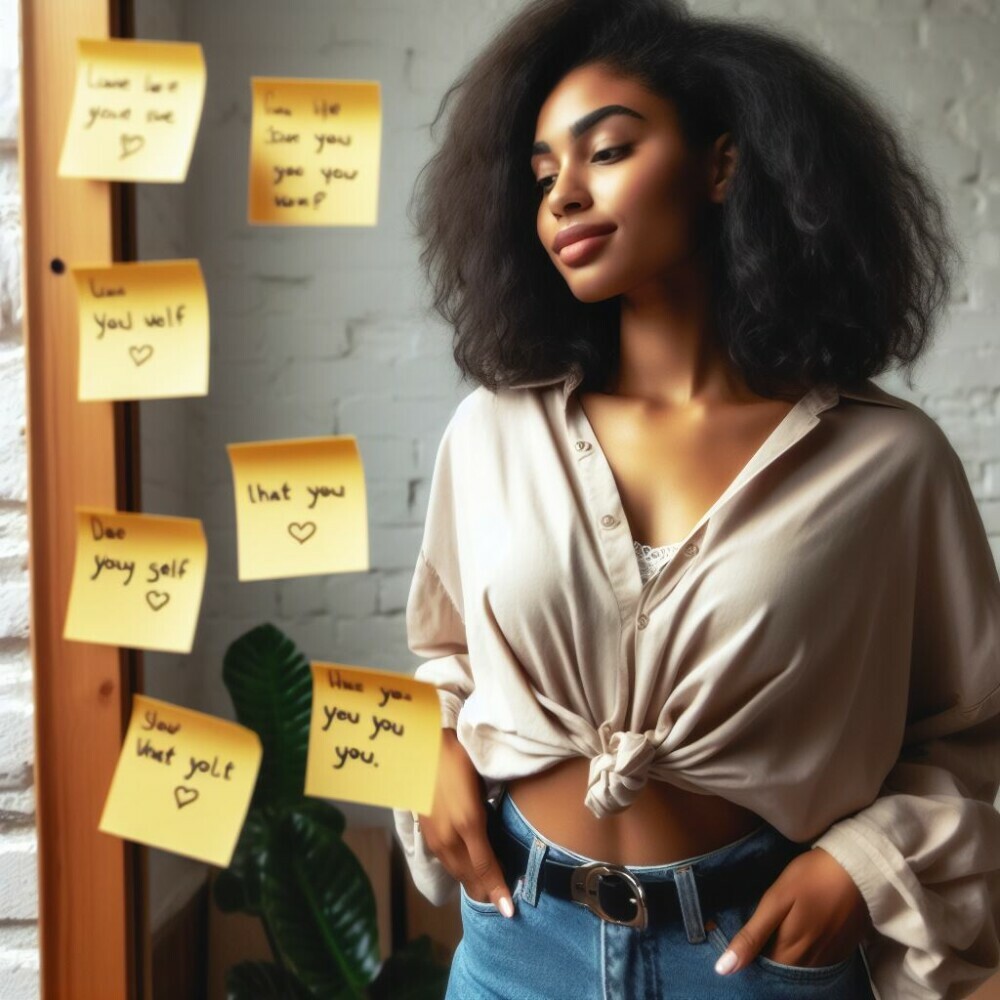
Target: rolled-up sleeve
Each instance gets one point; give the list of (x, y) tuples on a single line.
[(435, 631), (925, 854)]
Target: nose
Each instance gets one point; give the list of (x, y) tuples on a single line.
[(567, 193)]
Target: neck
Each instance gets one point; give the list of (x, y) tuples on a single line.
[(668, 354)]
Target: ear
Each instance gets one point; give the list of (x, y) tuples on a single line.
[(721, 166)]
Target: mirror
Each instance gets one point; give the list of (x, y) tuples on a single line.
[(314, 331), (326, 331)]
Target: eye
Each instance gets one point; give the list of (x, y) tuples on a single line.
[(540, 184), (610, 149)]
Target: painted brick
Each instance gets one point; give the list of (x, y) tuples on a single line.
[(17, 807), (974, 34), (340, 595), (19, 875), (386, 456), (16, 747), (968, 330), (394, 588), (389, 502), (378, 642), (375, 414), (253, 597), (11, 307), (10, 53), (16, 673), (316, 638), (14, 609), (13, 530), (13, 457), (9, 103), (19, 974), (396, 547)]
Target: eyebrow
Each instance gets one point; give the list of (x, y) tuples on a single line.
[(588, 121)]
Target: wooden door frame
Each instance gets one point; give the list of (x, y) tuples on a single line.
[(93, 922)]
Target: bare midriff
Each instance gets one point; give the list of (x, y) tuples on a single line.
[(663, 825)]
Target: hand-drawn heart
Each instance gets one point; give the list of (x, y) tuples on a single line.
[(140, 355), (302, 532), (156, 599), (131, 144), (185, 796)]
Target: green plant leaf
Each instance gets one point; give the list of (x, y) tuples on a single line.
[(237, 888), (270, 683), (229, 894), (410, 974), (263, 981), (318, 903), (324, 814), (291, 867)]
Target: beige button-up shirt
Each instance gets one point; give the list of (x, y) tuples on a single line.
[(823, 649)]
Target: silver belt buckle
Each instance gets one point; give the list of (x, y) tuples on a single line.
[(583, 886)]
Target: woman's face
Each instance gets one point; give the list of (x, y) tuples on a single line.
[(630, 173)]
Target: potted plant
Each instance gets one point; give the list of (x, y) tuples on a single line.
[(291, 867)]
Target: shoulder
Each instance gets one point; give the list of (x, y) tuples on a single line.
[(472, 420), (477, 405), (483, 417), (900, 426)]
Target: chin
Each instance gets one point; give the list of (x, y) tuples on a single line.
[(594, 290)]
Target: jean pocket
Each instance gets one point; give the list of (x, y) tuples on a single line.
[(728, 922), (487, 908)]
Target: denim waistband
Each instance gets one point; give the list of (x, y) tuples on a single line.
[(764, 843)]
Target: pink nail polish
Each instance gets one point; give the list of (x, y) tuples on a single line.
[(506, 907)]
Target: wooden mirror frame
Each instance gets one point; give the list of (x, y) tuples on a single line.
[(93, 929)]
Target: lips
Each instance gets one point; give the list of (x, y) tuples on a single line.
[(581, 231)]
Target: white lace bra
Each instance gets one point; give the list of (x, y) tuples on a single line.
[(650, 559)]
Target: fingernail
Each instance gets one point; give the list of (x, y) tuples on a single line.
[(726, 962), (506, 907)]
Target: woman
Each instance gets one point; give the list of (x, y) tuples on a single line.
[(714, 619)]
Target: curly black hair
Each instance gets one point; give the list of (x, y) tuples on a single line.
[(828, 258)]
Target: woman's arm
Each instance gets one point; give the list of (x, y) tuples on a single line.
[(925, 854)]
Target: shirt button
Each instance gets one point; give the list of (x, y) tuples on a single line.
[(642, 621), (609, 521), (690, 549), (582, 445)]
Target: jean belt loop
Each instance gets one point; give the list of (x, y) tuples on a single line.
[(687, 892), (536, 856)]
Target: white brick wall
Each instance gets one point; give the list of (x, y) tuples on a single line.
[(19, 976), (326, 331)]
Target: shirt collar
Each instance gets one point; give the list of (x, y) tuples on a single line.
[(569, 381), (867, 391), (872, 393)]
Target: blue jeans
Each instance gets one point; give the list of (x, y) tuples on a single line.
[(555, 948)]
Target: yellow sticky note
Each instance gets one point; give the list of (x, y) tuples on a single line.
[(143, 330), (301, 507), (374, 737), (137, 580), (135, 110), (184, 781), (315, 147)]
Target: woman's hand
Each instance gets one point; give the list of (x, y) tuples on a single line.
[(815, 907), (455, 831)]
